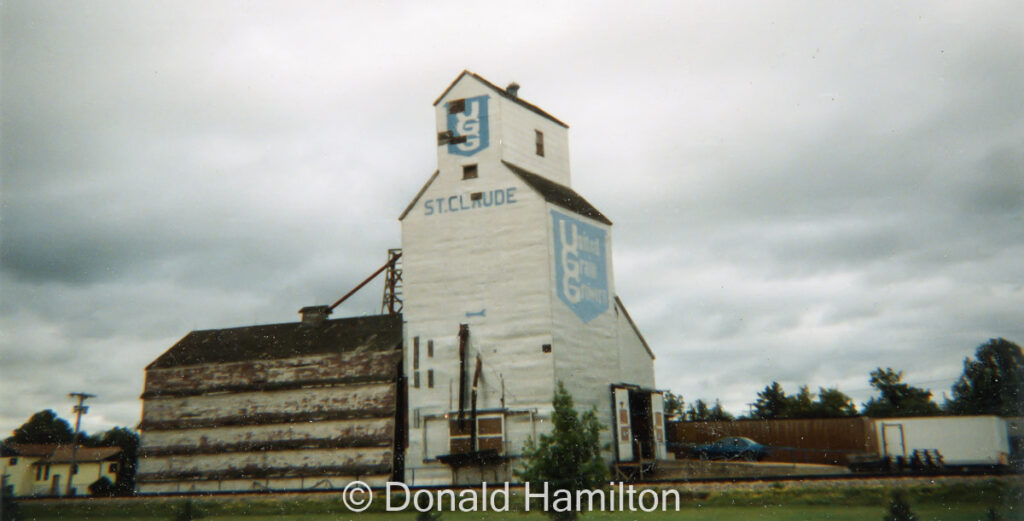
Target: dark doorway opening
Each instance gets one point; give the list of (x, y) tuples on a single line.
[(641, 423)]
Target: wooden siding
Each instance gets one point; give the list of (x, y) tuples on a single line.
[(317, 420), (828, 441)]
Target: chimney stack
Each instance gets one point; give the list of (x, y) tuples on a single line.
[(314, 315), (512, 90)]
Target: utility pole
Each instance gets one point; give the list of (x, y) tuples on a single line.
[(79, 410)]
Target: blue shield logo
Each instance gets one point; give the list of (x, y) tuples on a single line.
[(581, 267), (471, 123)]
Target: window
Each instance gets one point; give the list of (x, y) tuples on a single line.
[(489, 434), (112, 468), (469, 171), (416, 380), (546, 348), (12, 461), (430, 378), (540, 143), (39, 473), (476, 196), (430, 349), (74, 468), (415, 353), (456, 106)]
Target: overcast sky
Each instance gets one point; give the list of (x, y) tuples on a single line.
[(801, 192)]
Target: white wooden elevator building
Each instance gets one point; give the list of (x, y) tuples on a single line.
[(508, 288)]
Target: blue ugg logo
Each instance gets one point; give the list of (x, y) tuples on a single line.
[(471, 123), (581, 272)]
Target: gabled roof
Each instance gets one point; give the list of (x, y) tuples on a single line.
[(502, 92), (51, 453), (62, 454), (288, 340), (559, 195), (418, 195), (29, 449)]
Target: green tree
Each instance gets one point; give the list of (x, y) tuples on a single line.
[(128, 441), (569, 458), (674, 405), (801, 405), (897, 398), (772, 403), (832, 403), (42, 427), (993, 383), (899, 508), (700, 412)]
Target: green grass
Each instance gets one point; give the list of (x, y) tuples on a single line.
[(945, 502)]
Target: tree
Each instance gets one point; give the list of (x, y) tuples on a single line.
[(43, 427), (801, 405), (899, 508), (674, 405), (897, 398), (570, 457), (992, 384), (128, 441), (832, 403), (772, 403), (700, 412)]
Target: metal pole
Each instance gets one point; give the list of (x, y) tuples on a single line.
[(390, 262), (79, 410)]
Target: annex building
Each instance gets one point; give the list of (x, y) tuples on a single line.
[(507, 288)]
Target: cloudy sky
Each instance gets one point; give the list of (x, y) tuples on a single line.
[(801, 191)]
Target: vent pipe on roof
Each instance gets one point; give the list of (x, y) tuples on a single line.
[(314, 315), (512, 90)]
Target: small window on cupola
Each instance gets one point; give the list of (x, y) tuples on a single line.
[(540, 143), (469, 171)]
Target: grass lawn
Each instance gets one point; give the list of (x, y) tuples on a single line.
[(949, 502)]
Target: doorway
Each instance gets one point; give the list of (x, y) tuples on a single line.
[(640, 420)]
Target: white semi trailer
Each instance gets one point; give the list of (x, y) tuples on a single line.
[(961, 440)]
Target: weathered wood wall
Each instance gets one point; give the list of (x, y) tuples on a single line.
[(289, 423)]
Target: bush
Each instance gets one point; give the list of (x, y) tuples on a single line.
[(102, 487), (570, 457), (899, 509)]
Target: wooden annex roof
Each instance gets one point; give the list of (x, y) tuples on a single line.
[(287, 340)]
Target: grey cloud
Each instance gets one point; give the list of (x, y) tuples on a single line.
[(813, 191)]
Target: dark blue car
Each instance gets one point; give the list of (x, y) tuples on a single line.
[(733, 447)]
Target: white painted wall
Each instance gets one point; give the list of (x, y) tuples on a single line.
[(518, 143), (636, 362), (512, 136), (962, 440), (493, 267)]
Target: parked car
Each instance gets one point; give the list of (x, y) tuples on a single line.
[(733, 447)]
